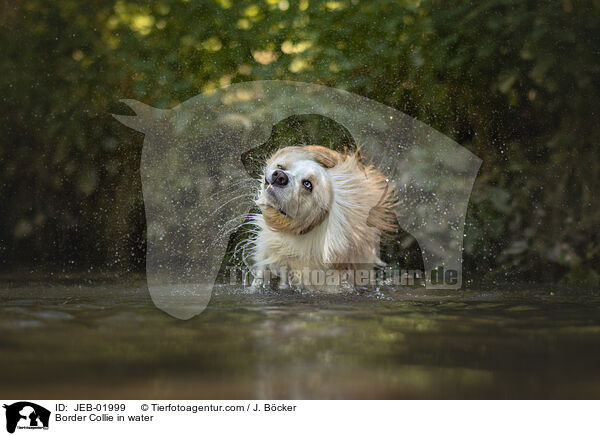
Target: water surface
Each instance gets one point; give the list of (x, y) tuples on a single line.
[(95, 340)]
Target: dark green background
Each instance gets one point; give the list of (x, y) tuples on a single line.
[(516, 82)]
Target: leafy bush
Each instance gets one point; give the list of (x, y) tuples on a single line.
[(516, 82)]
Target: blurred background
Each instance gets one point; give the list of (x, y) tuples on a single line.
[(517, 82)]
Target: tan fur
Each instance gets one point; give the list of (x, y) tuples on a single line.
[(382, 216), (326, 157), (281, 223), (335, 225)]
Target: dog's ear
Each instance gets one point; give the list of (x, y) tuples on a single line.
[(324, 156)]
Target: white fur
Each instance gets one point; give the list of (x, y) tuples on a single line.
[(342, 239)]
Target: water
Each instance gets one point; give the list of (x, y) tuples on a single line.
[(102, 340)]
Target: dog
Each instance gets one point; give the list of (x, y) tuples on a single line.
[(321, 210)]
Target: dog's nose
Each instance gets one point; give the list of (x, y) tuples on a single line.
[(279, 178)]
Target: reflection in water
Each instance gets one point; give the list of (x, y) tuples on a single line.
[(107, 341)]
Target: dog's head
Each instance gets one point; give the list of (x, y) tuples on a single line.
[(296, 191)]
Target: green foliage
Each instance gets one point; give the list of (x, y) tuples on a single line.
[(517, 82)]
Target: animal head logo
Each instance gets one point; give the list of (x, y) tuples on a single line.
[(26, 415), (197, 191)]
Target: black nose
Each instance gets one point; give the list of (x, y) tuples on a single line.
[(279, 178)]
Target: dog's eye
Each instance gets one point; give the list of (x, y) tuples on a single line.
[(279, 167), (307, 185)]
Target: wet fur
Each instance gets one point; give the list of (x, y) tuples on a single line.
[(338, 226)]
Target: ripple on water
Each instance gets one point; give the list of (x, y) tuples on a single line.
[(53, 315)]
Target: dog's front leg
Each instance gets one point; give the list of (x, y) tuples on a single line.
[(259, 279)]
